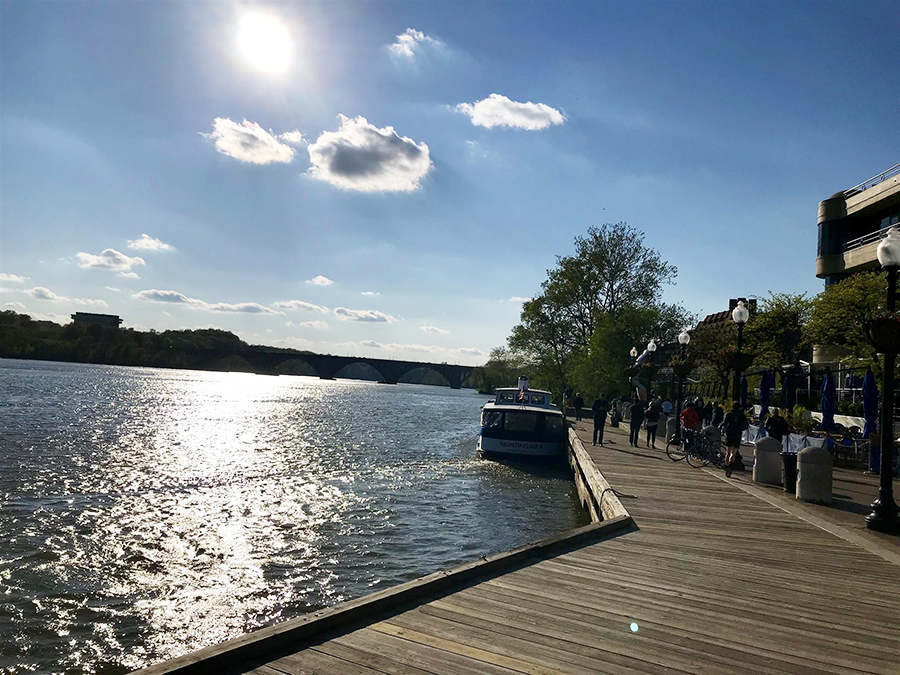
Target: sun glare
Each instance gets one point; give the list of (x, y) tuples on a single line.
[(264, 42)]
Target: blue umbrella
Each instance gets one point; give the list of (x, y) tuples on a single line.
[(765, 393), (743, 393), (828, 403), (870, 404)]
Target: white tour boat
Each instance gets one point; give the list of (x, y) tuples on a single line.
[(522, 423)]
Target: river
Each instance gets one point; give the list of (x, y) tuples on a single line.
[(145, 513)]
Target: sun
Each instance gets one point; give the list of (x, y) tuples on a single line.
[(265, 43)]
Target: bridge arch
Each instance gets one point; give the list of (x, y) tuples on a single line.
[(360, 370), (294, 366), (424, 375)]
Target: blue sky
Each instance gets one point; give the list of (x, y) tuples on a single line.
[(432, 182)]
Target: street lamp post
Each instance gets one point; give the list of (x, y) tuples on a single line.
[(739, 316), (884, 516), (651, 349), (629, 372), (684, 338)]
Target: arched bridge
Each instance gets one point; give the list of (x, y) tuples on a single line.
[(326, 365)]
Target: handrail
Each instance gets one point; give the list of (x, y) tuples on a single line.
[(874, 180), (867, 238)]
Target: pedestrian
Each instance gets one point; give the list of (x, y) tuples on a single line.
[(718, 416), (735, 424), (652, 416), (637, 418), (667, 406), (600, 408), (708, 413), (776, 426), (578, 404)]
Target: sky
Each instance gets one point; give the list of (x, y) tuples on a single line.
[(393, 179)]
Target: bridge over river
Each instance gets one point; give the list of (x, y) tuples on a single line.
[(326, 366)]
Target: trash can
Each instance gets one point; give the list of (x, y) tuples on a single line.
[(789, 471)]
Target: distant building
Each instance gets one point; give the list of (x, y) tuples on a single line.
[(723, 318), (853, 222), (110, 320)]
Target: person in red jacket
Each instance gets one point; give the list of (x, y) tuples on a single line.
[(689, 420)]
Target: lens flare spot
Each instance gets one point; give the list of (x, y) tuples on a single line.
[(265, 43), (634, 627)]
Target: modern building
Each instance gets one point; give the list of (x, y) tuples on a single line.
[(110, 320), (853, 222)]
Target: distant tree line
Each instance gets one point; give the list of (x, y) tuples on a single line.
[(21, 337)]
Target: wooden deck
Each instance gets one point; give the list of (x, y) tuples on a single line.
[(715, 580)]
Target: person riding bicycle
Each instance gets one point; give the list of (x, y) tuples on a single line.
[(689, 420)]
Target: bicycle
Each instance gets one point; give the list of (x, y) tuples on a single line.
[(707, 449)]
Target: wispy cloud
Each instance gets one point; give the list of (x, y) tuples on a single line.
[(317, 325), (300, 304), (434, 330), (371, 294), (363, 315), (499, 111), (517, 298), (42, 293), (292, 137), (360, 156), (13, 278), (412, 43), (110, 260), (113, 289), (174, 297), (248, 142), (320, 281), (15, 304), (148, 243)]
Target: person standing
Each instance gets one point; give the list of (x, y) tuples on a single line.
[(735, 424), (652, 416), (718, 416), (600, 408), (708, 413), (689, 420), (578, 404), (637, 418), (776, 426)]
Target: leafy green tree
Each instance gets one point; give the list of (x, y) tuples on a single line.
[(776, 333), (839, 311)]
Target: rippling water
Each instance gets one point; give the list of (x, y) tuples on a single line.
[(146, 513)]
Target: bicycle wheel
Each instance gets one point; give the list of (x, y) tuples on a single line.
[(698, 456), (675, 451), (717, 453)]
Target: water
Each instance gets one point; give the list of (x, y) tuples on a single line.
[(146, 513)]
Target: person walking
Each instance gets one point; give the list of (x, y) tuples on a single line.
[(776, 426), (600, 408), (708, 413), (718, 416), (652, 416), (735, 424), (578, 404), (637, 418)]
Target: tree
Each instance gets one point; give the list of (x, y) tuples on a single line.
[(611, 272), (839, 311), (775, 335)]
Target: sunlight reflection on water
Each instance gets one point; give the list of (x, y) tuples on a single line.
[(146, 513)]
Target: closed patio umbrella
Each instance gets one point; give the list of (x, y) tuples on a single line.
[(870, 404), (765, 393), (828, 403)]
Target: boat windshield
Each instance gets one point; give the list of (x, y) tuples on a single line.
[(506, 397), (521, 421)]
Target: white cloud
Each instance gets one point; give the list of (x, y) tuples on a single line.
[(411, 43), (4, 289), (113, 289), (434, 330), (148, 243), (109, 259), (320, 281), (128, 275), (372, 294), (41, 293), (155, 295), (248, 142), (13, 278), (300, 304), (517, 298), (15, 304), (371, 344), (364, 315), (318, 325), (360, 156), (293, 137), (50, 316), (499, 111)]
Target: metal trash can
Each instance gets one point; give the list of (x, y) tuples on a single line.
[(789, 471)]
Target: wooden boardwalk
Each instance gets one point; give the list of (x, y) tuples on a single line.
[(713, 580)]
